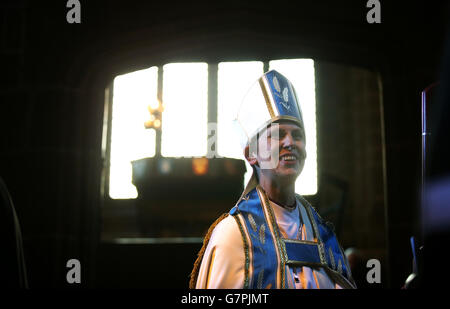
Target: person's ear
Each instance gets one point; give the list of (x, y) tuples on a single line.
[(251, 158)]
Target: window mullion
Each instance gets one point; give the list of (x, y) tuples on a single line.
[(212, 98), (265, 66), (159, 95), (107, 139)]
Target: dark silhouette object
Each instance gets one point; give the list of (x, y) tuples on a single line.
[(436, 200), (337, 208), (357, 266), (12, 258)]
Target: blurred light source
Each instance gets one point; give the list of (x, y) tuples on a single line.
[(200, 166), (155, 117), (164, 166), (230, 168)]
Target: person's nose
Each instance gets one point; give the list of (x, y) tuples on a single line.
[(288, 141)]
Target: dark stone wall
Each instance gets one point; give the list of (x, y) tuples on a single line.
[(351, 157)]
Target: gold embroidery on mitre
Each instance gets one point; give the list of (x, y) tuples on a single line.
[(286, 95), (276, 84), (340, 267)]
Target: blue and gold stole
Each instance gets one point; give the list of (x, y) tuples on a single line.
[(267, 254)]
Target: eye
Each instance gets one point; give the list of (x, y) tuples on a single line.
[(298, 135), (274, 136)]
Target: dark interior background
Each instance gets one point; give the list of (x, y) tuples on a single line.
[(368, 76)]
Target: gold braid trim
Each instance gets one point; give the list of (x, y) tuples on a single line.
[(246, 251), (279, 245), (198, 261), (266, 97)]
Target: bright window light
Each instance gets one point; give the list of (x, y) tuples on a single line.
[(234, 81), (132, 94), (184, 120), (301, 74)]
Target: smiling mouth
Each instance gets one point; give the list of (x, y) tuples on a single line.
[(288, 158)]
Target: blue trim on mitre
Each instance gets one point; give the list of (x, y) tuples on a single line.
[(283, 95)]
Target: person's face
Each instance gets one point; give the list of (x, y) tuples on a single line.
[(282, 145)]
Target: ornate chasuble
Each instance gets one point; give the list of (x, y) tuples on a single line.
[(267, 254)]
